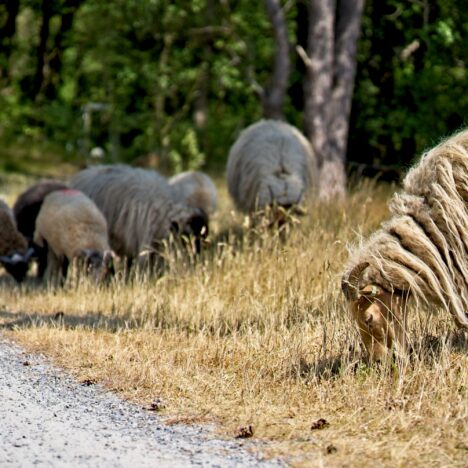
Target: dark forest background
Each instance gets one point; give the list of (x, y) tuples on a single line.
[(174, 81)]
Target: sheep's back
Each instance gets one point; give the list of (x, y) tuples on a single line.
[(271, 161), (70, 221), (136, 203), (28, 204), (195, 189)]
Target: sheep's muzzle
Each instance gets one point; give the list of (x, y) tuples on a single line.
[(380, 314)]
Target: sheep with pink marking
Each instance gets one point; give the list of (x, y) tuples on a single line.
[(73, 229)]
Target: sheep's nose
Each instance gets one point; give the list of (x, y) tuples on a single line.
[(368, 320)]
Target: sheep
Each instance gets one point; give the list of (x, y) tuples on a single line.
[(26, 209), (271, 163), (421, 252), (139, 208), (14, 252), (195, 189), (73, 229)]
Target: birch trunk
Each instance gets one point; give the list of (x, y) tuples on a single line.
[(331, 66)]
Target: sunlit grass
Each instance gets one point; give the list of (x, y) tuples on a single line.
[(256, 332)]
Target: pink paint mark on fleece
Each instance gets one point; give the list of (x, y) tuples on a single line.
[(70, 191)]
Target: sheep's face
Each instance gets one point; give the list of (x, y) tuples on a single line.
[(380, 314), (193, 231), (380, 318), (17, 265), (98, 265)]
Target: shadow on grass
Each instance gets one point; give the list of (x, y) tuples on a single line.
[(91, 321), (428, 350)]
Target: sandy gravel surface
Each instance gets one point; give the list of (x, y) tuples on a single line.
[(48, 419)]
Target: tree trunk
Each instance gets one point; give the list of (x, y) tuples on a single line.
[(53, 79), (46, 11), (274, 94), (333, 33), (296, 89), (7, 33)]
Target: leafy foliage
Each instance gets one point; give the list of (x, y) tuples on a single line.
[(180, 79)]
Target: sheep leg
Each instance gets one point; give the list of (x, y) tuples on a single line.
[(53, 266), (41, 254), (64, 267)]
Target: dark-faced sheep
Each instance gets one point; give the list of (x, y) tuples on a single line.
[(14, 252), (26, 209), (420, 252), (271, 163), (73, 229), (195, 189), (139, 208)]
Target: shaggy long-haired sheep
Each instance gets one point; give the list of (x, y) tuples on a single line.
[(420, 252), (271, 163), (73, 229), (138, 206), (14, 252), (26, 209)]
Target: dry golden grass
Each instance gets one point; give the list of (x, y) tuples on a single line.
[(257, 333)]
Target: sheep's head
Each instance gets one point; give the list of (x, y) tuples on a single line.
[(380, 314), (195, 229), (98, 265), (17, 265)]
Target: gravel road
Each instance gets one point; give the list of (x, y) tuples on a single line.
[(48, 419)]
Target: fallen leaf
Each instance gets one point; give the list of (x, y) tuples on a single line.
[(87, 382), (244, 432), (331, 449), (319, 424), (156, 405)]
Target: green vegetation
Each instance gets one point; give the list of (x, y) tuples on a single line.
[(178, 79)]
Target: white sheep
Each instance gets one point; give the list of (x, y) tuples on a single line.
[(73, 229), (271, 163), (139, 208), (14, 252), (420, 252)]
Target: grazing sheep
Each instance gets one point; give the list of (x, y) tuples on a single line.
[(73, 228), (26, 209), (14, 252), (195, 189), (421, 251), (271, 163), (139, 208)]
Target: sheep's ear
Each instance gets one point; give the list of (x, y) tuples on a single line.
[(29, 253), (11, 259), (5, 260), (371, 290)]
